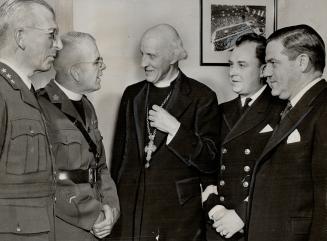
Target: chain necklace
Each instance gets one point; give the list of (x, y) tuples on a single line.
[(151, 147)]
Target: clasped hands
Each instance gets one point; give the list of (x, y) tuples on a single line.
[(105, 222), (159, 118), (226, 221)]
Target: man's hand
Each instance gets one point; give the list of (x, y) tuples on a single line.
[(163, 121), (227, 222), (105, 222)]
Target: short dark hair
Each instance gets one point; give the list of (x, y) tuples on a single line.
[(254, 38), (300, 39)]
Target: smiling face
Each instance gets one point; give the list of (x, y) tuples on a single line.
[(157, 58), (280, 71), (244, 70), (40, 39)]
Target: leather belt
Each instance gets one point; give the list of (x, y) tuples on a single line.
[(90, 175)]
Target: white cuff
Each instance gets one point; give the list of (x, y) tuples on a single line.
[(171, 136), (211, 189)]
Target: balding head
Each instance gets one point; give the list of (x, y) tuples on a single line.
[(169, 35)]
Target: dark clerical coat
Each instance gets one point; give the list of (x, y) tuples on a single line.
[(163, 202)]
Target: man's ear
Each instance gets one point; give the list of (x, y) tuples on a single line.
[(19, 38), (303, 61), (74, 73)]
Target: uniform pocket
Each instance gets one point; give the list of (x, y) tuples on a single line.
[(27, 151), (301, 225), (67, 149), (21, 220), (187, 189)]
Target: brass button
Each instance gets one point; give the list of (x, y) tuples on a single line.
[(245, 184), (18, 229), (222, 183), (221, 198), (224, 150), (247, 151), (247, 168), (223, 167), (31, 131)]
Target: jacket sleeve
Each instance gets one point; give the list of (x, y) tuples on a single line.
[(319, 175), (198, 146), (119, 138)]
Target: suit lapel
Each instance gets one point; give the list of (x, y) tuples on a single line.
[(293, 118), (139, 109), (177, 103), (231, 112), (251, 117)]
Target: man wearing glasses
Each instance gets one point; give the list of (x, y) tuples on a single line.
[(28, 44), (87, 205)]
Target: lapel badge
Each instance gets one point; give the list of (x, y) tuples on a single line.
[(55, 97)]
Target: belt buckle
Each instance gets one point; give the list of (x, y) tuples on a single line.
[(92, 176)]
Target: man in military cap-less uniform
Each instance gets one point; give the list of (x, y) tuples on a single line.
[(87, 204), (28, 43), (249, 121)]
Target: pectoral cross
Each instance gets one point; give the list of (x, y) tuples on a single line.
[(149, 149)]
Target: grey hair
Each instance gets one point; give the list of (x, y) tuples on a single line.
[(9, 11)]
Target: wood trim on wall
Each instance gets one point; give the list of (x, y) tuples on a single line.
[(64, 15)]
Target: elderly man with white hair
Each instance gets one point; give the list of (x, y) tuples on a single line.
[(166, 139)]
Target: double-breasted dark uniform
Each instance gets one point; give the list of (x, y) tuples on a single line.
[(78, 205), (244, 136), (288, 194), (163, 201), (26, 180)]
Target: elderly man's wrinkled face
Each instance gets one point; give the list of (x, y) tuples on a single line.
[(244, 70), (41, 39), (90, 68), (156, 58)]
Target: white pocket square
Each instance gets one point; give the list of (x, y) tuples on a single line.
[(267, 128), (294, 137)]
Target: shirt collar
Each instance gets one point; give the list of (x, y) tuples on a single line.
[(167, 83), (254, 96), (70, 94), (26, 80), (299, 95)]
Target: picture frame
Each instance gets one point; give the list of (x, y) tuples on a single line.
[(223, 21)]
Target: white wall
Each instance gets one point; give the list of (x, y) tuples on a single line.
[(118, 25)]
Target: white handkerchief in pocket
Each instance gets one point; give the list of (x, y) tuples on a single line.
[(266, 129), (294, 137)]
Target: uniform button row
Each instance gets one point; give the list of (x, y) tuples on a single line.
[(247, 151)]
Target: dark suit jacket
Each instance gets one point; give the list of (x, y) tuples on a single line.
[(244, 137), (78, 205), (164, 198), (288, 192)]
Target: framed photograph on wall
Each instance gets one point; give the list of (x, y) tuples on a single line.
[(223, 21)]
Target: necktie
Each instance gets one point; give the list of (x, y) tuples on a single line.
[(246, 105), (286, 110), (33, 91), (79, 107)]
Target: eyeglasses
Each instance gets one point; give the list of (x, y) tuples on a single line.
[(52, 32), (98, 62)]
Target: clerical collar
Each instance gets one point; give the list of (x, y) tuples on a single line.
[(254, 96), (26, 80), (166, 83), (299, 95), (70, 94)]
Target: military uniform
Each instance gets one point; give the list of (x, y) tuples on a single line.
[(244, 137), (78, 201), (26, 180)]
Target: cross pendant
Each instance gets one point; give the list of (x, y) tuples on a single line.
[(149, 149)]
